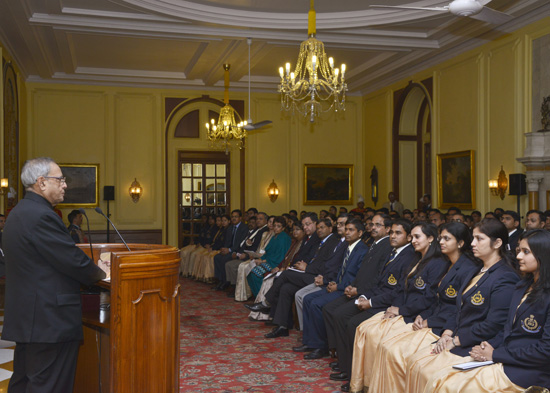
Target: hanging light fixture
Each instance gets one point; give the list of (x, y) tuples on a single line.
[(227, 130), (315, 86)]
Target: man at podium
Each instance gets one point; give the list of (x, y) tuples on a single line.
[(44, 271)]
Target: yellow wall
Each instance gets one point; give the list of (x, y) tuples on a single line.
[(481, 102)]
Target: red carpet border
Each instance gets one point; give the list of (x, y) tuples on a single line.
[(222, 351)]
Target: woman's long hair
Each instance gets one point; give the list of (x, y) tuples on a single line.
[(434, 250), (461, 232), (494, 229), (539, 243)]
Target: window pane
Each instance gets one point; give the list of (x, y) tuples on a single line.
[(210, 170), (186, 169), (197, 199), (186, 213), (197, 213), (220, 170), (186, 184), (221, 198), (186, 199), (210, 199), (197, 184), (186, 227), (220, 185), (210, 185), (221, 210), (197, 170)]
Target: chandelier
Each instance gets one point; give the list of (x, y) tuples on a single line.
[(227, 130), (315, 86)]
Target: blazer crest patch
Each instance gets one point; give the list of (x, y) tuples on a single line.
[(477, 299), (419, 283), (451, 292), (531, 325), (392, 280)]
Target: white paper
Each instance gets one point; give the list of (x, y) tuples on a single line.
[(296, 270), (471, 365)]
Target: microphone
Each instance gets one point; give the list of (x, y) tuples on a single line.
[(83, 212), (98, 209)]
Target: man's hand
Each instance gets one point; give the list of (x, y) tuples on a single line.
[(301, 265), (331, 287), (363, 304), (482, 352), (319, 280), (350, 292), (242, 256), (105, 266)]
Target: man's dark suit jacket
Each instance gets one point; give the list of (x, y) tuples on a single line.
[(307, 249), (352, 266), (242, 232), (372, 264), (44, 271), (514, 240), (317, 265), (255, 241)]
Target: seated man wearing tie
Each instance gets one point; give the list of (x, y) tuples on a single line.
[(279, 298), (375, 299), (314, 328)]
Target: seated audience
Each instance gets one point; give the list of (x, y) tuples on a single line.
[(388, 360), (393, 205), (511, 221), (204, 265), (483, 305), (297, 237), (521, 353)]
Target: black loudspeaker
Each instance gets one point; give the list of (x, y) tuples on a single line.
[(109, 193), (517, 184)]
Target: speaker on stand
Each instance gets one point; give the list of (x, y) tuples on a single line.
[(108, 195), (518, 186)]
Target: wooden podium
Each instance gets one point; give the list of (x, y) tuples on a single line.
[(133, 346)]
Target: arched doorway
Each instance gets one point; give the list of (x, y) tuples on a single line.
[(412, 143)]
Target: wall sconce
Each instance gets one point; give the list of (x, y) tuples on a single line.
[(3, 186), (498, 187), (273, 191), (187, 197), (135, 191)]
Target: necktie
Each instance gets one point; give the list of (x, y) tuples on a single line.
[(346, 257), (392, 257), (233, 236), (391, 206)]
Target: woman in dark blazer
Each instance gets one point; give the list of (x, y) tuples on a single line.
[(455, 241), (482, 303), (522, 351)]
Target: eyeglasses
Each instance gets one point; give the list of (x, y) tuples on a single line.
[(62, 179)]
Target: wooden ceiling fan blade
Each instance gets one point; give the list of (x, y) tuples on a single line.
[(492, 16), (438, 9), (255, 126)]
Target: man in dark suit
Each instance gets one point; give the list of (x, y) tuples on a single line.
[(234, 236), (44, 271), (315, 336), (281, 294), (377, 298), (511, 221)]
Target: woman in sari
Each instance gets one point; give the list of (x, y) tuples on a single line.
[(483, 304), (417, 293), (274, 253), (204, 264), (522, 352), (267, 283), (455, 242)]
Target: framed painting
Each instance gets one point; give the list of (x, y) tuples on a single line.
[(328, 184), (82, 185), (456, 179)]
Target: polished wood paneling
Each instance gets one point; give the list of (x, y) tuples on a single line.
[(142, 327)]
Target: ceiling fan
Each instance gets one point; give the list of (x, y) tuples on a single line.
[(250, 126), (471, 8)]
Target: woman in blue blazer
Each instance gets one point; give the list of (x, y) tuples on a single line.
[(483, 303), (522, 351)]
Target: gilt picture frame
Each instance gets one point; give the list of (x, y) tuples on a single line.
[(328, 184), (82, 185), (456, 180)]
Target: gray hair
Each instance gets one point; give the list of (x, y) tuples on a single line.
[(34, 168)]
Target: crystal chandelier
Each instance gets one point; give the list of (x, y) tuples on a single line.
[(227, 130), (315, 86)]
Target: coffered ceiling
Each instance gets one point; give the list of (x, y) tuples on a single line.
[(183, 43)]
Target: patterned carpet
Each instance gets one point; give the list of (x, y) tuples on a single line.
[(222, 351), (6, 359)]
